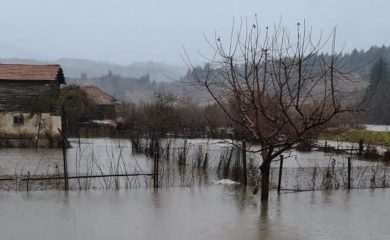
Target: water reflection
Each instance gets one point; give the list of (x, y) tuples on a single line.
[(99, 154), (264, 215), (241, 198), (213, 212), (156, 200)]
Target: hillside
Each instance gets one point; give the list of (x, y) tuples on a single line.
[(73, 68), (139, 81), (139, 89)]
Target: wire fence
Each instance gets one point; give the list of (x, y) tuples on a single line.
[(328, 178), (113, 164)]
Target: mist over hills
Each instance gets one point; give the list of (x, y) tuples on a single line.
[(140, 81), (73, 68)]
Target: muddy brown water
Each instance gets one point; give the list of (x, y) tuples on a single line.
[(214, 212)]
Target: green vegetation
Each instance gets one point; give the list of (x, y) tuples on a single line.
[(76, 103), (356, 135)]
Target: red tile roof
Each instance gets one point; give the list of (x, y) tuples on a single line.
[(98, 96), (24, 72)]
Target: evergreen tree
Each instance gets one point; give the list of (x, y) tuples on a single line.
[(379, 89), (379, 75)]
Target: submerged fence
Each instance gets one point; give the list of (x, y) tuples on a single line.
[(327, 178), (113, 164), (98, 164)]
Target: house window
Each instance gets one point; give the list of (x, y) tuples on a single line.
[(19, 120)]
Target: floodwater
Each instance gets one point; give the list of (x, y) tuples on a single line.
[(198, 212), (377, 128), (105, 155), (214, 212), (15, 161)]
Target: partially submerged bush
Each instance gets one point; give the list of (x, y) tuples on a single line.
[(305, 146)]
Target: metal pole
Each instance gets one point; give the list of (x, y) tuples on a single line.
[(155, 170), (28, 179), (66, 186), (280, 173), (157, 161), (349, 172), (63, 119)]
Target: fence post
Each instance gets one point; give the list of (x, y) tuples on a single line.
[(28, 179), (349, 172), (280, 173), (156, 166), (244, 172), (384, 177), (63, 133), (326, 146), (361, 147), (154, 170)]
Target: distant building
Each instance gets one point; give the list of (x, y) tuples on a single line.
[(29, 100), (104, 106)]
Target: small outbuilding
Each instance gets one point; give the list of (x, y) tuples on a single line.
[(104, 106)]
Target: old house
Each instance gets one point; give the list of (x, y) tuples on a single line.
[(104, 106), (29, 100)]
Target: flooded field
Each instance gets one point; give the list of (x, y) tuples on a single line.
[(196, 208), (214, 212), (377, 128), (100, 154), (104, 156)]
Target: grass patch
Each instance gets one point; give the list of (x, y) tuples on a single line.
[(355, 135)]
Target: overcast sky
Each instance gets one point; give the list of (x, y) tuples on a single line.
[(127, 31)]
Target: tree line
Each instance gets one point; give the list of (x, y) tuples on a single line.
[(268, 86), (164, 114), (378, 111)]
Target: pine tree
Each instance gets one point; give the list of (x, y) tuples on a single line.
[(379, 88), (379, 75)]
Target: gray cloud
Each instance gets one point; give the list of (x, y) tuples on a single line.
[(124, 31)]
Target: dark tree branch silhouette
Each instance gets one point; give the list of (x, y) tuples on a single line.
[(283, 90)]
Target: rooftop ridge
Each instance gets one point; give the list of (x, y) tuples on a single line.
[(31, 72)]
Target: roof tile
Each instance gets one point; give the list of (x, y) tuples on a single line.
[(98, 96), (24, 72)]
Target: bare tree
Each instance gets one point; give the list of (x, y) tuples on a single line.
[(279, 86), (158, 118)]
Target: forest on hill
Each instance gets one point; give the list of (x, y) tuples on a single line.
[(142, 87), (141, 81), (74, 68)]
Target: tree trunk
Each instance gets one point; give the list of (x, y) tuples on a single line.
[(244, 171), (265, 173)]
